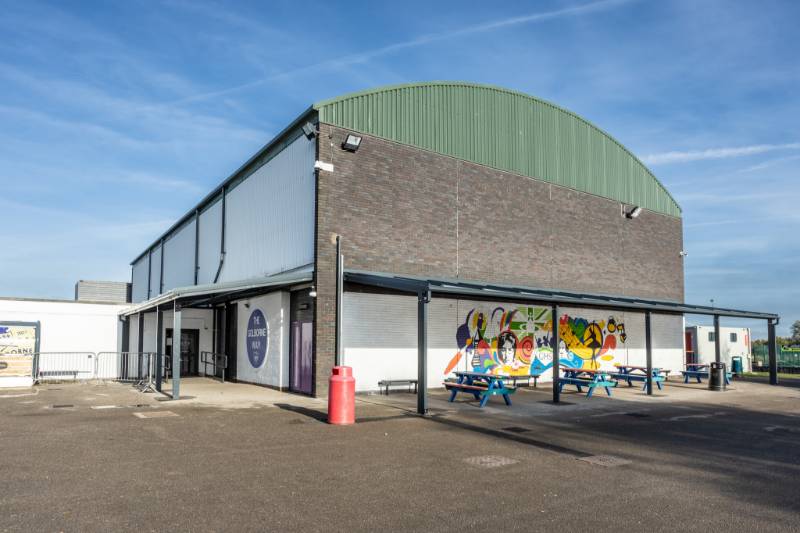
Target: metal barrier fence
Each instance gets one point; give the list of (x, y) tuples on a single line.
[(63, 366), (218, 362), (134, 367)]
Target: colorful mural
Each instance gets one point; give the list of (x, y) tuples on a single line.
[(517, 341)]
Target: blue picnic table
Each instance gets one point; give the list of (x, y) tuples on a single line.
[(585, 377), (631, 373), (481, 386), (699, 371)]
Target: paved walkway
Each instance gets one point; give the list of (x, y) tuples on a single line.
[(103, 457)]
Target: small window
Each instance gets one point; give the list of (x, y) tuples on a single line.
[(734, 337), (710, 336)]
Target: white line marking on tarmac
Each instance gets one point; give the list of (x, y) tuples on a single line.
[(615, 413), (686, 417), (106, 407)]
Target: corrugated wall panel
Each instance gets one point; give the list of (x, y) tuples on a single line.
[(505, 130), (155, 272), (209, 246), (179, 258), (139, 280), (269, 223)]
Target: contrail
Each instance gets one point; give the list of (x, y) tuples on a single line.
[(413, 43)]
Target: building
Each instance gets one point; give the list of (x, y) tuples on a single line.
[(55, 334), (463, 213), (117, 292), (701, 342)]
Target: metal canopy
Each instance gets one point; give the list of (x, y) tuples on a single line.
[(478, 290), (216, 292)]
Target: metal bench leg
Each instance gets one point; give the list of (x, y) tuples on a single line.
[(608, 390), (658, 384), (507, 398), (589, 392), (453, 394)]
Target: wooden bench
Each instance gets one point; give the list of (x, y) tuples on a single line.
[(629, 377), (698, 374), (386, 383), (480, 390), (591, 384)]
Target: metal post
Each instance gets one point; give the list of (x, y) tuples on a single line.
[(339, 298), (196, 245), (423, 297), (717, 347), (648, 346), (556, 340), (159, 346), (176, 351), (773, 353), (139, 347)]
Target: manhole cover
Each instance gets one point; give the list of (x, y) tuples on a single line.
[(605, 460), (155, 414), (516, 429), (490, 461)]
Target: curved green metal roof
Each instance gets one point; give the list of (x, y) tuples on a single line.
[(503, 129)]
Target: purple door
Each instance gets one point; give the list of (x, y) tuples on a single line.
[(300, 370)]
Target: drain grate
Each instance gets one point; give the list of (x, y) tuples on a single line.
[(516, 429), (605, 460), (490, 461), (62, 405), (155, 414)]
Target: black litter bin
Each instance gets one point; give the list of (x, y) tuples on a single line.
[(716, 376)]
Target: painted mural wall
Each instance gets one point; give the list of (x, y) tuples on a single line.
[(379, 338), (262, 349)]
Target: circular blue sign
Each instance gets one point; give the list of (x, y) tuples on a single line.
[(257, 338)]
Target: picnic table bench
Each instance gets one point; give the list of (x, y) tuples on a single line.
[(480, 385), (631, 373), (386, 383), (699, 371), (585, 377), (514, 378)]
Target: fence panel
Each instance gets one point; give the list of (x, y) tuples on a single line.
[(64, 366), (125, 366)]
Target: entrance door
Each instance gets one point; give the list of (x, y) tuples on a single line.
[(190, 353), (301, 357)]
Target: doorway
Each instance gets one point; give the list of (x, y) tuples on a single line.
[(301, 356), (190, 353)]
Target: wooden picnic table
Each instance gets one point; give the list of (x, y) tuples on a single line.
[(481, 385), (699, 371), (585, 377), (631, 373)]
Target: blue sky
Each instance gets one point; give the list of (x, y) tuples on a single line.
[(117, 117)]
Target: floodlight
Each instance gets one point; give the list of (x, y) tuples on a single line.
[(351, 143), (309, 130), (634, 212)]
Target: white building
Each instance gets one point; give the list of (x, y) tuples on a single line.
[(700, 345)]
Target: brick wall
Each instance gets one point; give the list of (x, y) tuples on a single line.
[(404, 210)]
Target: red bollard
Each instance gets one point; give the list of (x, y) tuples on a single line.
[(342, 396)]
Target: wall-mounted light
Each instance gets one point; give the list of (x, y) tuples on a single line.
[(313, 292), (309, 130), (351, 142), (634, 212), (247, 305), (683, 253)]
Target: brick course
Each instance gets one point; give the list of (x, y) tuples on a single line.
[(405, 210)]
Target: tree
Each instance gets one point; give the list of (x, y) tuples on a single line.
[(796, 332)]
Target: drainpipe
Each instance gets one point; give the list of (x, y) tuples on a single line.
[(222, 237)]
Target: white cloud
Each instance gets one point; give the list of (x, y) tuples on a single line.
[(715, 153)]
